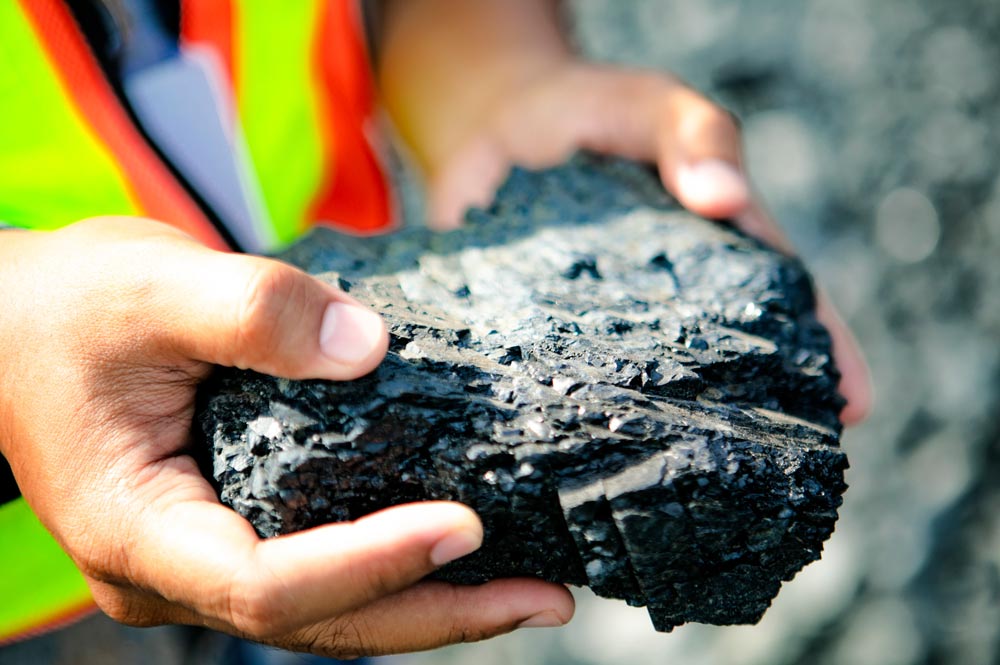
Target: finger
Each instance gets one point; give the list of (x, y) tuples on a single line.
[(855, 382), (647, 116), (699, 153), (611, 115), (370, 558), (203, 556), (759, 223), (251, 312), (470, 179), (426, 616), (434, 614), (137, 608)]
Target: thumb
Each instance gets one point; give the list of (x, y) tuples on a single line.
[(261, 314), (205, 558)]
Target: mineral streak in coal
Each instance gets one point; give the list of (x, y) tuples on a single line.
[(630, 397)]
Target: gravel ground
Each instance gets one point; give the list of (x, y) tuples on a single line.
[(868, 128)]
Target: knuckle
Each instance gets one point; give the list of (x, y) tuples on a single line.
[(255, 615), (121, 607), (98, 567), (713, 115), (460, 634), (101, 225), (268, 295), (115, 608), (695, 111), (346, 639), (258, 605), (375, 579)]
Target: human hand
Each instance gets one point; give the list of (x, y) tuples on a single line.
[(108, 326), (544, 114), (496, 84)]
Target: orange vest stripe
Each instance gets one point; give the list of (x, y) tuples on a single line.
[(210, 24), (40, 586), (305, 98), (353, 190), (156, 192), (348, 186), (61, 618)]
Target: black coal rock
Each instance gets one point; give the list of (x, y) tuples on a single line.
[(630, 397)]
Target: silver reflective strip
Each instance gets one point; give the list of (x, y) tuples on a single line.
[(184, 104)]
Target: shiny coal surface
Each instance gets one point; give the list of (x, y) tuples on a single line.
[(632, 398)]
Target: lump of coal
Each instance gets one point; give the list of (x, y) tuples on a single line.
[(630, 397)]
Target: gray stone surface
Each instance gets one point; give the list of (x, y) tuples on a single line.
[(630, 397)]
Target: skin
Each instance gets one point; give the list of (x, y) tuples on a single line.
[(534, 102), (106, 349)]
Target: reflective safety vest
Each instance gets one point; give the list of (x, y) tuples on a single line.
[(296, 78)]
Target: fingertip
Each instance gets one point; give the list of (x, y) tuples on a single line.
[(855, 413), (559, 603), (444, 224), (452, 512), (547, 619), (458, 543), (857, 388), (564, 605), (353, 338), (712, 188), (444, 212), (855, 383), (455, 530), (469, 179), (756, 222), (449, 207), (459, 513), (524, 602)]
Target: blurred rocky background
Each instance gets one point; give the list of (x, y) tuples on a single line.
[(870, 130)]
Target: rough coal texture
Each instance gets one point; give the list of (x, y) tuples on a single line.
[(632, 398)]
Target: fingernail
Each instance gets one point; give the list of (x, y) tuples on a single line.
[(713, 180), (546, 619), (764, 228), (349, 333), (456, 545)]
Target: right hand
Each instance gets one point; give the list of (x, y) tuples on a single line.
[(557, 108), (108, 327)]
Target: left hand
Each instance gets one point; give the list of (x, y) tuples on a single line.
[(573, 105), (103, 353), (648, 116)]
